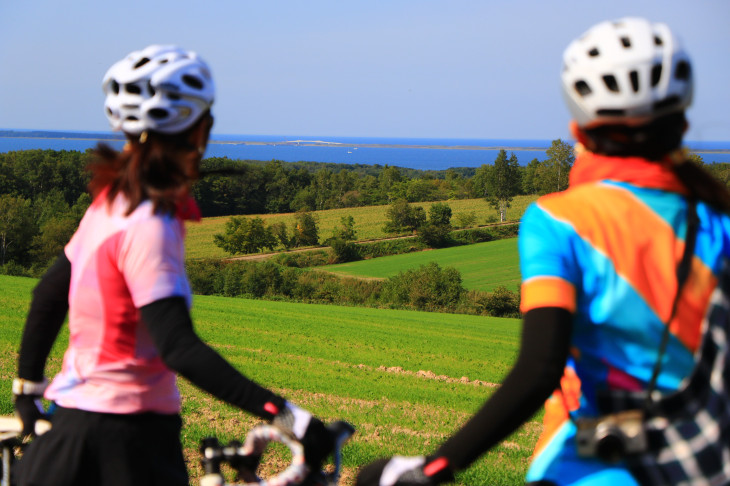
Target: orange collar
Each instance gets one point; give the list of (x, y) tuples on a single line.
[(590, 167)]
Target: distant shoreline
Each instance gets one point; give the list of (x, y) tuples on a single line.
[(376, 145), (320, 143)]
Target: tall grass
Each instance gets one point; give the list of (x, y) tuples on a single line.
[(404, 379)]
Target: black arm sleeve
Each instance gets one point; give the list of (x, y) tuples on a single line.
[(48, 310), (171, 328), (536, 374)]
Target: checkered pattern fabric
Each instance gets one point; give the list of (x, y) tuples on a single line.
[(688, 431)]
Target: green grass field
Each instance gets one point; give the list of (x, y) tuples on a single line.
[(405, 379), (369, 222), (483, 266)]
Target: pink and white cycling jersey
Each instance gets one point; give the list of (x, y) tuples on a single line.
[(118, 264)]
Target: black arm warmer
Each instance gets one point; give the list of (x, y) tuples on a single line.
[(171, 328), (47, 312), (536, 374)]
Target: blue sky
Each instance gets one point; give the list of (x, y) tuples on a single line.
[(398, 68)]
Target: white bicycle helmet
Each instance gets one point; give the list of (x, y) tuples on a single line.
[(628, 71), (160, 88)]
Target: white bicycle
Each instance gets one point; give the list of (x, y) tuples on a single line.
[(241, 458)]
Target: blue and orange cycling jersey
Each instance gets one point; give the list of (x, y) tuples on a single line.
[(607, 250)]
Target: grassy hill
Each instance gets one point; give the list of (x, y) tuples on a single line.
[(483, 266), (369, 222), (405, 379)]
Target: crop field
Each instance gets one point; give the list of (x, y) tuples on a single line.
[(404, 379), (369, 222), (483, 266)]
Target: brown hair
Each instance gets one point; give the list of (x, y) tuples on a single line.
[(657, 140), (154, 166)]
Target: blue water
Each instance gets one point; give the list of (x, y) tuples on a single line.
[(423, 154)]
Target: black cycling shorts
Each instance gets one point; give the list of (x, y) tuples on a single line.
[(87, 448)]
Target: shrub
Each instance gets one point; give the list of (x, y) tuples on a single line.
[(429, 287), (205, 276), (391, 247), (466, 220), (14, 270), (303, 259), (343, 251), (481, 235), (502, 302)]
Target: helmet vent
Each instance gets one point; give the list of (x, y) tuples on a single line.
[(582, 88), (151, 88), (682, 71), (141, 62), (625, 41), (656, 74), (610, 112), (610, 82), (593, 52), (158, 113), (115, 87), (192, 81), (173, 96), (132, 89), (634, 77), (658, 40)]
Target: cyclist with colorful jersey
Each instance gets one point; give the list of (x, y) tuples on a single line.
[(121, 280), (624, 280)]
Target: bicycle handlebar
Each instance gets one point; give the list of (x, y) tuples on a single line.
[(244, 458), (11, 427)]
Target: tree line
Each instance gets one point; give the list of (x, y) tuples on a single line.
[(43, 192)]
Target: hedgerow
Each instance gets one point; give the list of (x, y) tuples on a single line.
[(428, 288)]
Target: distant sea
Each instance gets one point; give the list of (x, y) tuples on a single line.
[(414, 153)]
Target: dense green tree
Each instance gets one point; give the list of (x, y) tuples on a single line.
[(529, 177), (555, 170), (435, 232), (17, 228), (245, 235), (281, 234), (440, 214), (279, 187), (404, 217), (388, 184), (306, 232), (346, 229), (500, 182)]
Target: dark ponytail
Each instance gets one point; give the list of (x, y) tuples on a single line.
[(702, 185)]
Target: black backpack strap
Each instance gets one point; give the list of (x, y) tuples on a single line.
[(683, 269)]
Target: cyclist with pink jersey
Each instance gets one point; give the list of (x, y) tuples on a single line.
[(121, 281)]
